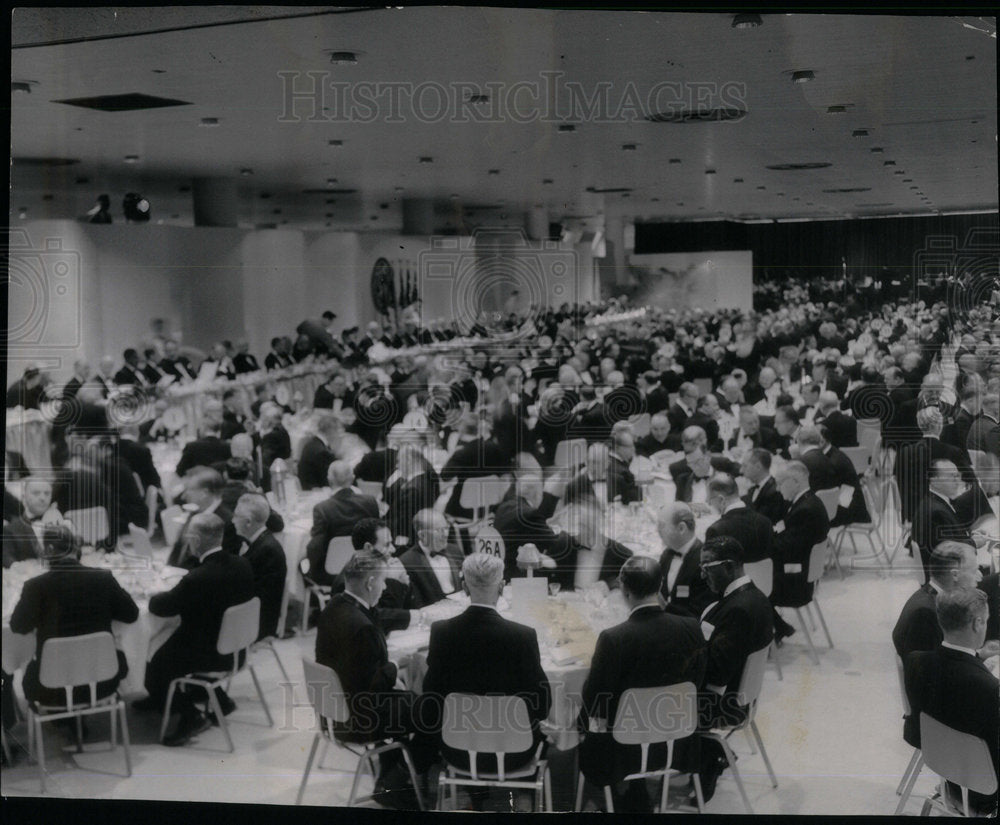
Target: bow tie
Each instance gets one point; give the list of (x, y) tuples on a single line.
[(435, 553), (33, 519), (754, 489)]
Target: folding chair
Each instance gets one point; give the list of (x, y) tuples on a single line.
[(330, 705), (338, 552), (874, 501), (91, 524), (747, 696), (905, 786), (652, 716), (956, 757), (480, 495), (761, 573), (860, 458), (237, 634), (830, 499), (172, 518), (816, 566), (69, 662), (371, 488), (570, 454), (869, 433), (497, 725)]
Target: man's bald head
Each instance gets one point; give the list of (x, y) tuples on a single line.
[(204, 533), (339, 474)]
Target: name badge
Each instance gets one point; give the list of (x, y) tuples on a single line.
[(707, 630), (779, 527), (683, 591), (793, 568)]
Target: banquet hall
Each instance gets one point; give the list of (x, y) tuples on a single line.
[(491, 374)]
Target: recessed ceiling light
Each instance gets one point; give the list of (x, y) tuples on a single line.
[(335, 142), (566, 127), (747, 21), (131, 158), (343, 58), (654, 200), (331, 181), (159, 71), (629, 147), (494, 172), (398, 189), (762, 187), (876, 149), (798, 167), (20, 87), (889, 163), (709, 171), (246, 171), (737, 180), (674, 160), (479, 98), (426, 159), (838, 109), (547, 180), (803, 76), (859, 133), (209, 121)]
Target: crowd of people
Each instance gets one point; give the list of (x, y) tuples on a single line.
[(730, 394)]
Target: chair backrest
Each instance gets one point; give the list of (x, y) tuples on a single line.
[(139, 485), (869, 432), (325, 691), (370, 488), (91, 523), (483, 492), (240, 624), (640, 424), (958, 757), (657, 714), (817, 561), (761, 573), (339, 551), (172, 519), (69, 661), (488, 540), (141, 546), (902, 686), (829, 499), (486, 724), (17, 649), (570, 453), (859, 457), (753, 677)]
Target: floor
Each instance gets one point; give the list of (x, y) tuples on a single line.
[(833, 731)]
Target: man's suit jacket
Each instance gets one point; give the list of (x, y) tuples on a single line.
[(481, 653), (972, 505), (245, 362), (768, 502), (959, 691), (231, 543), (332, 518), (615, 555), (648, 446), (472, 459), (958, 434), (274, 361), (754, 532), (393, 610), (984, 435), (990, 585), (856, 511), (934, 521), (406, 498), (423, 581), (232, 424), (917, 627), (806, 524), (220, 581), (178, 367), (20, 542), (273, 445), (518, 523), (913, 466), (736, 626), (678, 417), (684, 478), (842, 429), (711, 428), (314, 460), (764, 437), (690, 594), (822, 475), (267, 560), (140, 461), (657, 400), (203, 452), (378, 465), (130, 376)]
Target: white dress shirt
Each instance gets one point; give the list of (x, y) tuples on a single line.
[(442, 570), (675, 564)]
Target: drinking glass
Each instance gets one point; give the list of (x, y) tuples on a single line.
[(554, 588)]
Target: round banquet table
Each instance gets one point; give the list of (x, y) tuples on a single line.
[(567, 624), (138, 641)]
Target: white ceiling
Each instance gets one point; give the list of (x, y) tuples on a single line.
[(924, 88)]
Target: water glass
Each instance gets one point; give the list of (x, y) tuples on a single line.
[(554, 588)]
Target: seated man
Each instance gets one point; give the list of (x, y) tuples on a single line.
[(934, 518), (684, 589), (739, 624), (336, 517), (395, 608), (652, 648), (659, 437), (319, 451), (431, 563), (804, 526), (753, 531), (69, 599), (210, 448), (202, 488), (950, 683), (763, 495), (266, 557), (691, 472), (22, 536), (750, 435), (219, 581), (481, 653), (591, 483), (522, 518)]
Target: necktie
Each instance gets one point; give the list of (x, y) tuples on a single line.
[(671, 555), (753, 492)]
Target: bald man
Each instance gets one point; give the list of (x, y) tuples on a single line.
[(336, 517), (431, 563), (266, 558)]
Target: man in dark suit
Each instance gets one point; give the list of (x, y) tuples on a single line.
[(69, 600), (843, 428), (804, 526), (219, 581), (604, 479), (753, 531), (951, 685), (684, 590), (970, 407), (131, 373), (22, 535), (481, 653), (336, 516), (750, 435), (278, 358), (243, 361), (273, 441), (974, 504), (856, 511), (522, 518), (913, 461), (652, 648), (984, 431), (266, 557), (350, 641), (822, 475), (692, 473), (684, 408), (27, 391), (233, 420), (137, 456), (658, 438), (318, 451), (935, 519), (202, 488), (656, 397), (706, 416), (621, 482), (431, 563), (763, 495), (378, 465), (474, 457), (739, 624), (205, 451), (175, 364)]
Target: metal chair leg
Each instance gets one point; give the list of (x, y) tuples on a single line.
[(40, 751), (822, 621), (663, 794), (579, 792), (441, 790), (805, 630), (773, 656), (166, 709), (547, 779), (309, 762), (114, 732), (126, 742), (906, 773), (281, 665), (763, 753), (413, 776), (364, 760), (79, 734), (608, 801), (260, 693), (914, 770), (731, 759), (217, 709), (698, 796)]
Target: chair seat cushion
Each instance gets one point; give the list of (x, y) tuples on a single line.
[(516, 773)]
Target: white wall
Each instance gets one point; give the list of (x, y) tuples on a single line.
[(712, 280)]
